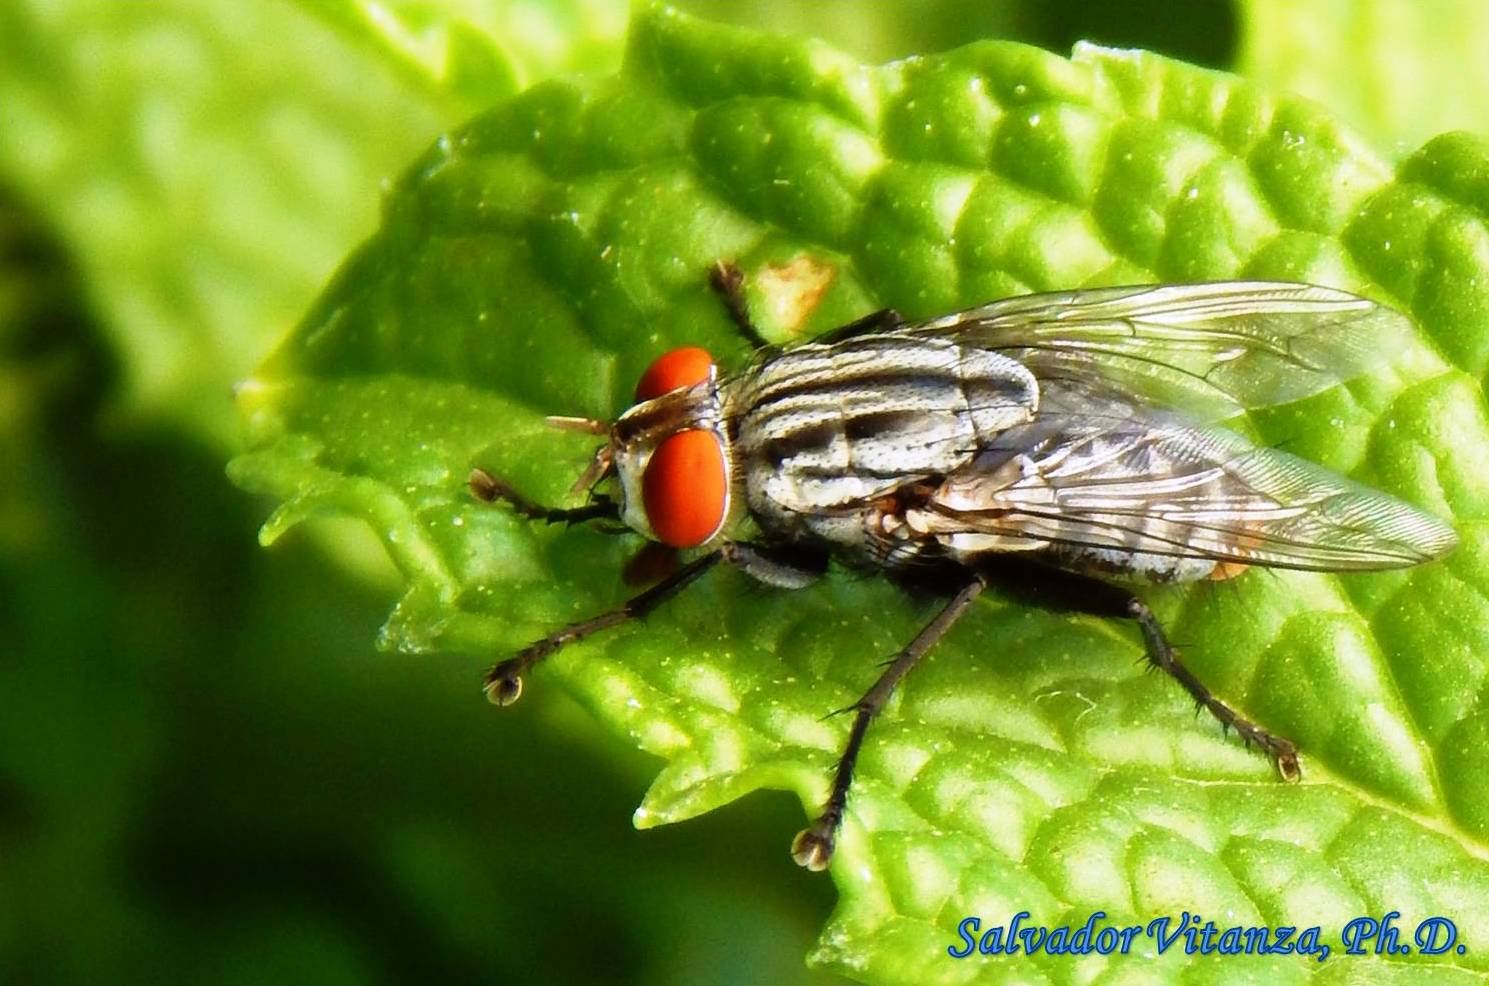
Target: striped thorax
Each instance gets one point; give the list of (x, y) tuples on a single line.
[(828, 436)]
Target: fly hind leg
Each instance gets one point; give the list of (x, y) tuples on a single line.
[(1054, 589), (1283, 752), (814, 845)]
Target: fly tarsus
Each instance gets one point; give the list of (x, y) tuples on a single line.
[(491, 489), (503, 683), (1069, 591), (813, 846), (1161, 655)]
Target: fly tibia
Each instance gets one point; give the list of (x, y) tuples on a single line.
[(491, 489)]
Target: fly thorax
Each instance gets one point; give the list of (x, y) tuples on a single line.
[(826, 429)]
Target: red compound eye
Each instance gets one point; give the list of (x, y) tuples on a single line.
[(680, 368), (685, 488)]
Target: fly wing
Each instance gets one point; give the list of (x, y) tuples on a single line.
[(1211, 350), (1098, 476)]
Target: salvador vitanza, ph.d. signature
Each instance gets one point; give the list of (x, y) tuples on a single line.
[(1193, 935)]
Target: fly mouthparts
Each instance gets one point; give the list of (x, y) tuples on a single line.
[(588, 426)]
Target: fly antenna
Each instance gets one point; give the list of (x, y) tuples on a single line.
[(588, 426)]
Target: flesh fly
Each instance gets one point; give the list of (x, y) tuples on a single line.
[(1073, 431)]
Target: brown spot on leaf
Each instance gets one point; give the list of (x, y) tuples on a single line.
[(793, 290)]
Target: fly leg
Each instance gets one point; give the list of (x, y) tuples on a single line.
[(488, 488), (728, 281), (782, 567), (1067, 591), (504, 681), (779, 567), (883, 320), (1283, 752), (814, 845)]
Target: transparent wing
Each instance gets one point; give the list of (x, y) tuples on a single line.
[(1211, 350), (1096, 471)]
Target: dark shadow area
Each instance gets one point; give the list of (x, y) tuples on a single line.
[(1204, 32), (208, 774), (1201, 31)]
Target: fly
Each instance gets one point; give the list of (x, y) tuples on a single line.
[(1073, 432)]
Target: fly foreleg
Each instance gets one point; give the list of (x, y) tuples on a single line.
[(490, 489), (504, 681), (813, 846), (780, 567)]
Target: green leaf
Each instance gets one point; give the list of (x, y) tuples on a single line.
[(535, 260), (1402, 70)]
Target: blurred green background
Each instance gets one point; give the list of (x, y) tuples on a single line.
[(208, 773)]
